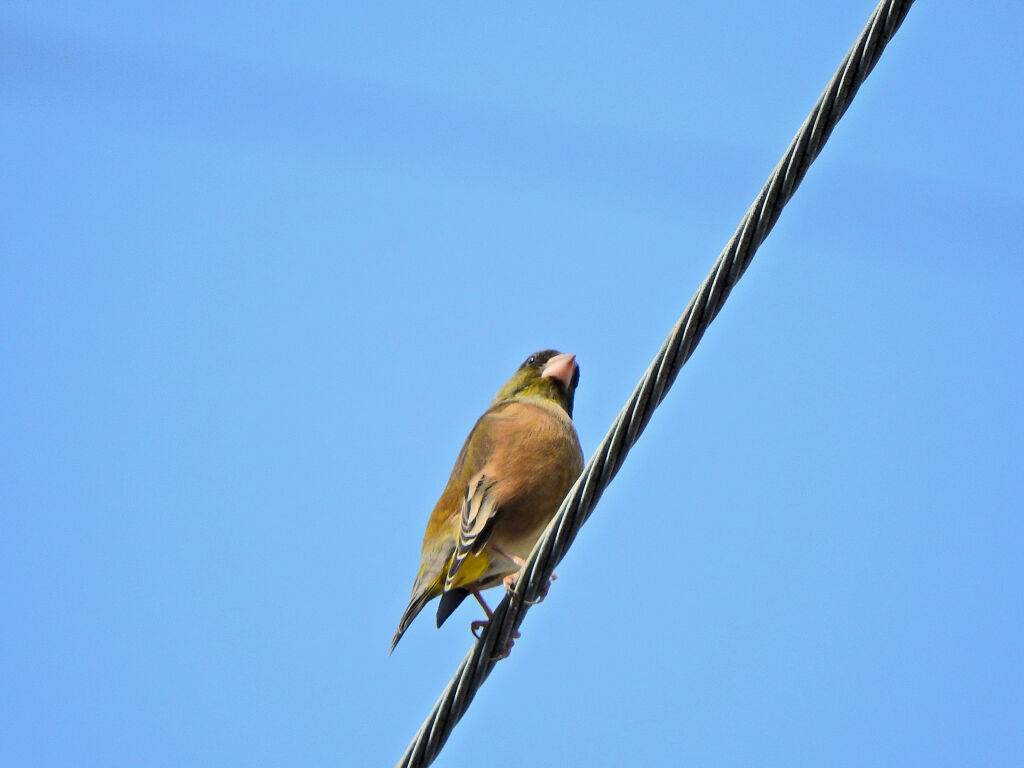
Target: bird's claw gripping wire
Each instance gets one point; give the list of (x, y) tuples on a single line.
[(509, 581), (478, 626)]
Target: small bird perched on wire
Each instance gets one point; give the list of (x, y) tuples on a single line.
[(513, 471)]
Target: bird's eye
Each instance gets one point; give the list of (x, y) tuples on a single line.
[(531, 360)]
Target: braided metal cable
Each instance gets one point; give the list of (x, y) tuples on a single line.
[(629, 424)]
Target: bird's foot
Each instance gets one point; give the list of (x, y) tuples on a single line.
[(510, 585), (478, 626)]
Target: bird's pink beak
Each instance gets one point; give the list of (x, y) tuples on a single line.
[(561, 367)]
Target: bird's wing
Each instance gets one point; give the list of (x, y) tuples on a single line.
[(476, 515), (428, 583)]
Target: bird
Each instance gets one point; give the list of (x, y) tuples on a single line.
[(517, 464)]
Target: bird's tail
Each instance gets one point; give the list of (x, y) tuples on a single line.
[(415, 606), (449, 602)]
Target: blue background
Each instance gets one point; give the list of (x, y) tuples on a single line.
[(263, 265)]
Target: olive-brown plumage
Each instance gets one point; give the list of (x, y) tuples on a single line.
[(513, 471)]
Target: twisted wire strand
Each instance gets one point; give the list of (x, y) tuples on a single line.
[(661, 373)]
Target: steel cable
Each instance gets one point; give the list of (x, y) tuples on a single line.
[(661, 373)]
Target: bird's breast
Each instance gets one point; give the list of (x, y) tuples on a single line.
[(535, 462)]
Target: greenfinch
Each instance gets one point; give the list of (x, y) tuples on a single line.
[(513, 471)]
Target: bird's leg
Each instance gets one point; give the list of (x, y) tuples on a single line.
[(510, 580), (478, 625)]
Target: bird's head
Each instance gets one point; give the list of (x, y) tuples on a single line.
[(550, 375)]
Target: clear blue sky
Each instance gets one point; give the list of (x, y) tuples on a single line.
[(263, 265)]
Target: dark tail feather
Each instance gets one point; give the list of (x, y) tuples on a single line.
[(449, 602), (415, 606)]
